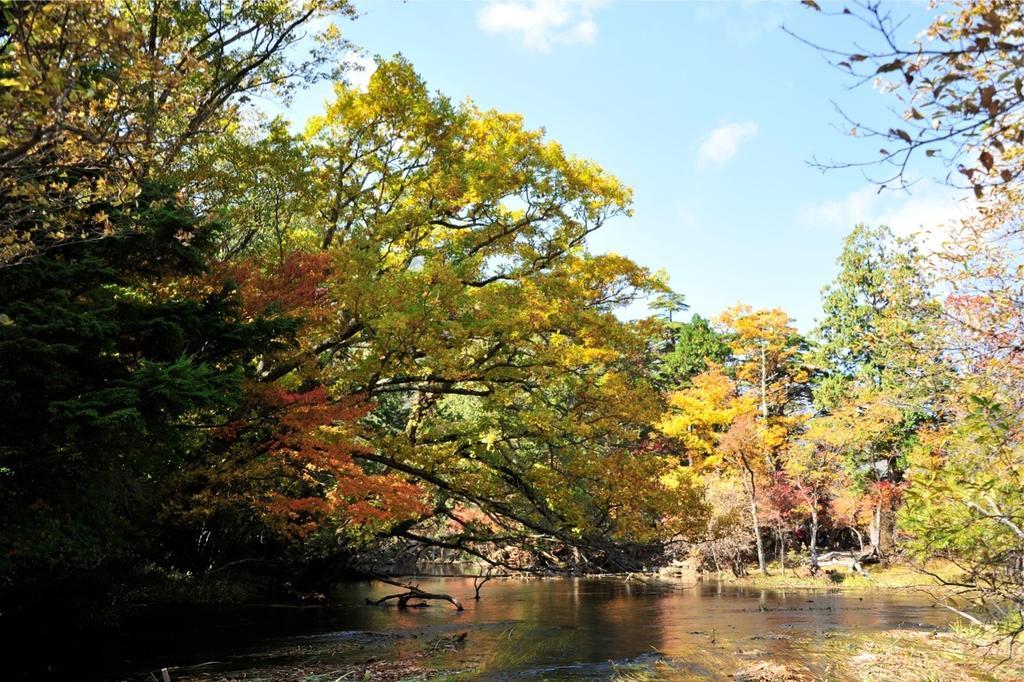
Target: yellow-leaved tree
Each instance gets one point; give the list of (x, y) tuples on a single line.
[(464, 305), (719, 430), (102, 97)]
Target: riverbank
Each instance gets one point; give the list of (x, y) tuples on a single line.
[(874, 577)]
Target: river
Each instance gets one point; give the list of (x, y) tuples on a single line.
[(564, 628)]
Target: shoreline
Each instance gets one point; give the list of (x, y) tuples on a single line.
[(893, 577)]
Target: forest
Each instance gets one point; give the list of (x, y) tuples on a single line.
[(244, 361)]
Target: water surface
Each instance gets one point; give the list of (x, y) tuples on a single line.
[(565, 628)]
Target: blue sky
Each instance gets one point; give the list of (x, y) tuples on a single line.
[(708, 110)]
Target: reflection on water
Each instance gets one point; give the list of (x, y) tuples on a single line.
[(530, 628), (540, 624)]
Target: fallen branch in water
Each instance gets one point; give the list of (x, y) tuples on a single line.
[(412, 592), (960, 613), (478, 582)]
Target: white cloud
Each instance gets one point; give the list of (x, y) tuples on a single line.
[(541, 24), (724, 141), (927, 212), (364, 66)]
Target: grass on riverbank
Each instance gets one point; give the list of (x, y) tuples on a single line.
[(905, 655), (925, 656)]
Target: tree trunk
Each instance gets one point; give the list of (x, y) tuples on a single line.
[(782, 550), (814, 536), (738, 568), (875, 530), (752, 498), (764, 383)]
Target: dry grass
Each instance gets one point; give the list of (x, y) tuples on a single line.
[(924, 657)]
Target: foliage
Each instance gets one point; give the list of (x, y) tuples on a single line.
[(718, 430), (463, 304), (963, 502), (767, 352), (670, 303), (966, 505), (980, 266), (256, 178), (99, 97), (702, 412), (939, 384), (727, 538), (958, 84), (109, 379), (880, 321), (225, 343), (880, 349), (815, 466), (388, 325), (688, 349)]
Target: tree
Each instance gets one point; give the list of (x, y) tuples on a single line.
[(782, 503), (257, 179), (965, 505), (688, 349), (980, 266), (961, 90), (881, 320), (963, 500), (816, 464), (767, 356), (958, 84), (101, 97), (280, 471), (742, 448), (727, 536), (700, 413), (466, 309), (717, 429), (768, 361), (670, 303), (880, 350), (111, 378), (851, 509), (740, 425)]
